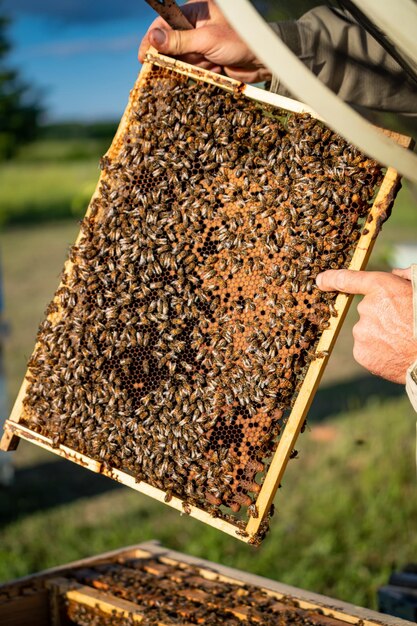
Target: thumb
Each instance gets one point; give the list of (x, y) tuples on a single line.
[(175, 42), (347, 281), (402, 273)]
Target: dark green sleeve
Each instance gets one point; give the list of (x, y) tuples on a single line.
[(348, 60)]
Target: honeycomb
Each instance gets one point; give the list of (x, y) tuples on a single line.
[(188, 313), (181, 594)]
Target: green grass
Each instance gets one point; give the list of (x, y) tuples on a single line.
[(53, 150), (345, 514), (45, 191), (32, 260), (50, 179)]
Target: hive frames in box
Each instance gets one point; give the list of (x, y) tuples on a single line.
[(149, 584), (162, 592), (187, 316)]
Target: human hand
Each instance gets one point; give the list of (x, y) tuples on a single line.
[(212, 44), (383, 336)]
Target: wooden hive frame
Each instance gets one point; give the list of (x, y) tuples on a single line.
[(38, 597), (14, 430)]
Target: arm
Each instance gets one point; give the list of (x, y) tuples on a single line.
[(348, 60)]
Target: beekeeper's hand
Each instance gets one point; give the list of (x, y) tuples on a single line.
[(212, 44), (383, 336)]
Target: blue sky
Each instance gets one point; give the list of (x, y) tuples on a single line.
[(80, 54)]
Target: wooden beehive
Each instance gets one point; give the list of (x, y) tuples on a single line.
[(184, 346), (152, 585)]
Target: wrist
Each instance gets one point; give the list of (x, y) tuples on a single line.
[(412, 372), (411, 384), (414, 286), (411, 375)]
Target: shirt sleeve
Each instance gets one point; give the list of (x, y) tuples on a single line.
[(348, 60)]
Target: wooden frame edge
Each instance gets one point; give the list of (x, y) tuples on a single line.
[(229, 84), (382, 203), (62, 588), (17, 430)]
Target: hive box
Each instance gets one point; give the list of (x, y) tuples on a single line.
[(177, 586)]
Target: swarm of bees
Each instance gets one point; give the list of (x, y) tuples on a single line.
[(181, 594), (188, 314)]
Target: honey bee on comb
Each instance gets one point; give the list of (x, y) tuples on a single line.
[(188, 315)]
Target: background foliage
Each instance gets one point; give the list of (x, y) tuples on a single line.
[(20, 108)]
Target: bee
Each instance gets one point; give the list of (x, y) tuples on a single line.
[(253, 511)]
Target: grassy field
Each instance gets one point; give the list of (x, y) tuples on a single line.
[(345, 515), (45, 191), (49, 180), (347, 509)]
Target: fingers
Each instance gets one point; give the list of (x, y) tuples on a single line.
[(213, 44), (159, 22), (402, 273), (347, 281), (190, 45), (177, 42)]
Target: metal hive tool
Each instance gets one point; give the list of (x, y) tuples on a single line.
[(184, 345)]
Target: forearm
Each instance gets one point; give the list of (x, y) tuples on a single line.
[(411, 379), (348, 60)]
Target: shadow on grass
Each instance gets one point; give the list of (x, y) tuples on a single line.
[(352, 395), (48, 485)]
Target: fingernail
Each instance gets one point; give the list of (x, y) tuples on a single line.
[(158, 36), (318, 280)]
